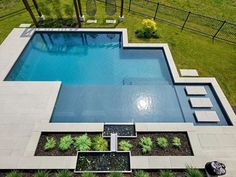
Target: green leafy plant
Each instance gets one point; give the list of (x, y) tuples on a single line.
[(14, 174), (115, 174), (146, 144), (162, 142), (41, 173), (148, 30), (82, 143), (176, 142), (50, 144), (65, 142), (192, 172), (166, 173), (141, 173), (125, 145), (64, 173), (99, 143), (88, 174)]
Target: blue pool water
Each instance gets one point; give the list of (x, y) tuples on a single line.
[(104, 82)]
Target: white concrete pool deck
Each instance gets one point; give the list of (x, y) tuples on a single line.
[(26, 108)]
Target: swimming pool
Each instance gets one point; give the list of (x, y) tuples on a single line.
[(102, 81)]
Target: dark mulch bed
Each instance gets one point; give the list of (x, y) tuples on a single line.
[(185, 149), (121, 130), (103, 161), (56, 152)]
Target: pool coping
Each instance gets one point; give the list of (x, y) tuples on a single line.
[(21, 37)]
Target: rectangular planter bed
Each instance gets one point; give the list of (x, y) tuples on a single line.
[(184, 150), (103, 162)]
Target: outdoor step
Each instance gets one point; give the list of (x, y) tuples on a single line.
[(206, 116), (195, 90), (201, 103)]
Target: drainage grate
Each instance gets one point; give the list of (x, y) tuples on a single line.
[(122, 130)]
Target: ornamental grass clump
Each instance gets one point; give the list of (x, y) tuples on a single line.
[(162, 142), (148, 30), (176, 142), (192, 172), (166, 173), (82, 143), (14, 174), (41, 173), (100, 144), (146, 144), (64, 173), (125, 145), (88, 174), (65, 142), (50, 144), (115, 174), (141, 173)]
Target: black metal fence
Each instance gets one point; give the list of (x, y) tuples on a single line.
[(205, 25), (212, 27)]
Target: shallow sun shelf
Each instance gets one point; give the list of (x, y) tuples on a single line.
[(201, 103), (206, 116)]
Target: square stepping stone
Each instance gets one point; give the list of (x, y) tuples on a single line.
[(201, 103), (111, 21), (25, 25), (91, 21), (195, 90), (206, 116), (188, 72)]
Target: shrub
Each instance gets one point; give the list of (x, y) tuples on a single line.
[(166, 173), (146, 144), (125, 145), (64, 173), (88, 174), (14, 174), (99, 143), (192, 172), (65, 142), (176, 142), (115, 174), (162, 142), (141, 173), (50, 144), (82, 143), (41, 173), (148, 30)]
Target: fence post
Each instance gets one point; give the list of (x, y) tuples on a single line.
[(129, 4), (219, 30), (156, 11), (185, 20)]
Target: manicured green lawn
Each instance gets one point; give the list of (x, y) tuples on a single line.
[(189, 50)]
